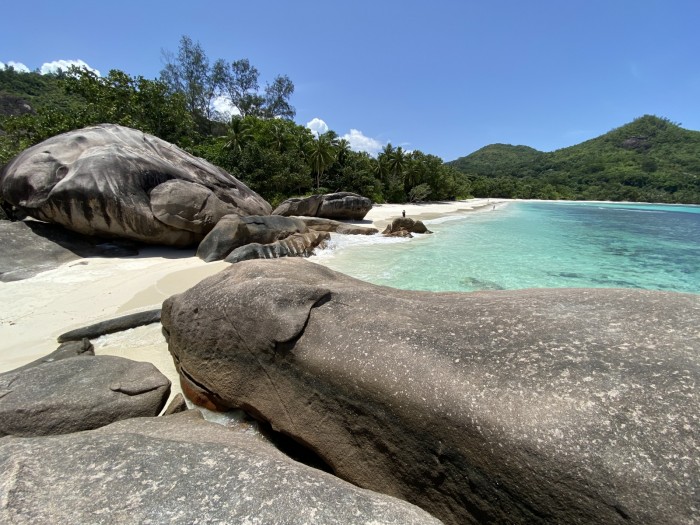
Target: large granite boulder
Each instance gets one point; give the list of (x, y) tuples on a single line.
[(178, 469), (233, 231), (340, 206), (78, 393), (529, 406), (109, 180), (296, 245), (30, 247)]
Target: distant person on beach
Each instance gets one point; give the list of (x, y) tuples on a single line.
[(403, 213)]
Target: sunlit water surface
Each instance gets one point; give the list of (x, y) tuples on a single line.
[(535, 245)]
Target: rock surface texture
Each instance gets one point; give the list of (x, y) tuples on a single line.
[(178, 469), (233, 232), (109, 180), (530, 406), (339, 206), (78, 393), (296, 245)]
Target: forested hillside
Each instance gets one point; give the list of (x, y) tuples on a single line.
[(261, 146), (650, 159)]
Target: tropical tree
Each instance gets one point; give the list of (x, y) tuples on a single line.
[(189, 73), (238, 82), (239, 133), (321, 155)]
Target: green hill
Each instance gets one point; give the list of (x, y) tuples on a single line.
[(650, 160)]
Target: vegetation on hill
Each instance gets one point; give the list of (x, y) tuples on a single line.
[(262, 146), (649, 160)]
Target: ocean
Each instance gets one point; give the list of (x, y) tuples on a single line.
[(535, 245)]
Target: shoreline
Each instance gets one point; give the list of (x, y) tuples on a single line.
[(85, 291), (381, 215)]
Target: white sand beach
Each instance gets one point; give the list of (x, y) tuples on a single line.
[(36, 311)]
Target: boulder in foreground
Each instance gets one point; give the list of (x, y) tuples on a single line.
[(79, 393), (178, 469), (113, 181), (339, 206), (530, 406)]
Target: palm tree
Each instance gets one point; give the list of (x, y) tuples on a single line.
[(397, 162), (321, 155), (279, 136), (239, 133), (343, 149)]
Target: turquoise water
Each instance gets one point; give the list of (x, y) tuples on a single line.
[(536, 245)]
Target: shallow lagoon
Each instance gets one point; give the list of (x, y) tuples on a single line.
[(536, 245)]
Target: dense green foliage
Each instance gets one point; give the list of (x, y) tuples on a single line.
[(274, 156), (649, 160)]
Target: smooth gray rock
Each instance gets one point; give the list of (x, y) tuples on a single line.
[(64, 351), (30, 247), (101, 181), (340, 206), (296, 245), (233, 231), (188, 206), (529, 406), (79, 393), (178, 469), (118, 324), (329, 225)]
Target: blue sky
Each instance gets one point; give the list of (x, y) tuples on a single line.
[(445, 77)]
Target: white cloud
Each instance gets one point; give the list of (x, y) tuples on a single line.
[(17, 66), (360, 142), (317, 126), (53, 67), (225, 107)]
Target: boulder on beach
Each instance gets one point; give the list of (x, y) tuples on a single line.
[(296, 245), (528, 406), (404, 227), (110, 326), (339, 206), (78, 393), (234, 231), (178, 469), (113, 181)]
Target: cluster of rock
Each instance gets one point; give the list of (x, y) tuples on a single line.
[(532, 406), (83, 444), (405, 227), (237, 238), (113, 182)]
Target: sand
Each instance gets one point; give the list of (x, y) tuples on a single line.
[(36, 311)]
